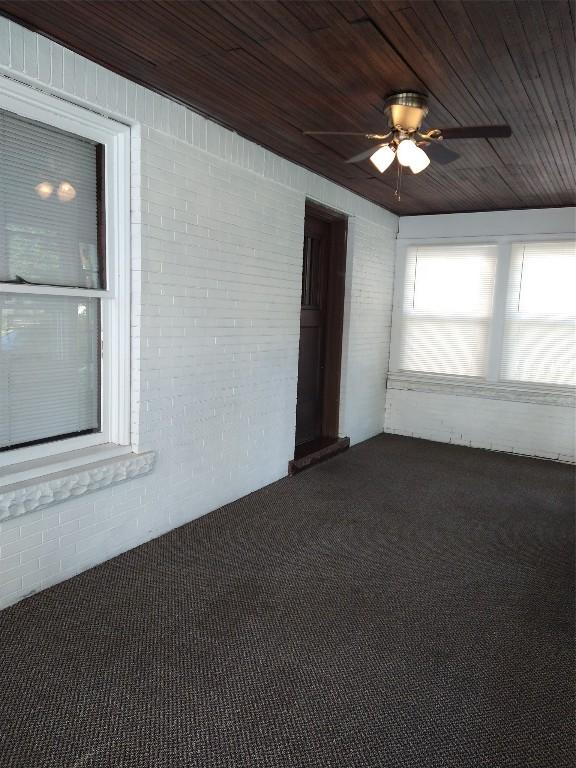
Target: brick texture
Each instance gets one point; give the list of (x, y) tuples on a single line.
[(500, 425), (217, 229)]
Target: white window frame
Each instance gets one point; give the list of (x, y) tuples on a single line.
[(115, 297), (400, 282), (492, 385)]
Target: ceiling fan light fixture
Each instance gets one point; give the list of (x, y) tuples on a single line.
[(401, 136), (383, 158), (419, 161)]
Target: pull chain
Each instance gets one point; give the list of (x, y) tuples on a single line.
[(398, 182)]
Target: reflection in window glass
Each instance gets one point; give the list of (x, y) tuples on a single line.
[(49, 205)]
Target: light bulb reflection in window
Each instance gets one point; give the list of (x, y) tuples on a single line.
[(44, 189), (66, 192)]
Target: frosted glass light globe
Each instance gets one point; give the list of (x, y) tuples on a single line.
[(382, 158), (419, 161), (407, 152)]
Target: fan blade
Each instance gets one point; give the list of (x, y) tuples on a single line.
[(363, 155), (334, 133), (477, 132), (438, 152)]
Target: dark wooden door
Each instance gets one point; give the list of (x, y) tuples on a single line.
[(312, 330)]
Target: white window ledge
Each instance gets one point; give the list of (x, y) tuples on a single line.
[(24, 490), (493, 390)]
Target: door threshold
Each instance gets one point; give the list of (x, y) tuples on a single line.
[(308, 454)]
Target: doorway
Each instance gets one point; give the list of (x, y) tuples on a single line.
[(321, 323)]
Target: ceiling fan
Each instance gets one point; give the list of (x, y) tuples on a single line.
[(404, 140)]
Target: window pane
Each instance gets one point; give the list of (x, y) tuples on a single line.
[(540, 329), (444, 346), (48, 205), (548, 284), (447, 306), (453, 284), (540, 352), (49, 367)]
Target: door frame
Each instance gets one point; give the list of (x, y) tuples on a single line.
[(334, 319)]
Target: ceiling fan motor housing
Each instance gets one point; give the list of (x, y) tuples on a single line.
[(406, 110)]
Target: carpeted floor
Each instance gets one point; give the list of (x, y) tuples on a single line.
[(405, 605)]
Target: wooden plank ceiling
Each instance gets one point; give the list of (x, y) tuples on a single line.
[(270, 70)]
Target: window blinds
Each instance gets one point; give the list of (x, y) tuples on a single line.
[(540, 325), (48, 205), (447, 306), (49, 228), (50, 367)]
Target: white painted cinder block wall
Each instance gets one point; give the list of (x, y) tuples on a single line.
[(534, 429), (216, 301)]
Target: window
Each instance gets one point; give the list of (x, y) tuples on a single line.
[(49, 385), (447, 309), (50, 189), (499, 314), (540, 323), (64, 266)]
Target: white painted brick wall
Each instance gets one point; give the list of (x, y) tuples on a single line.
[(504, 425), (527, 428), (217, 231), (369, 291)]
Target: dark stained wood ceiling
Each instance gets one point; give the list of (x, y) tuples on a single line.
[(270, 70)]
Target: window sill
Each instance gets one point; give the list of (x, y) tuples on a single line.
[(525, 393), (35, 485)]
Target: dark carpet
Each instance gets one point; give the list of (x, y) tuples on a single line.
[(407, 604)]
